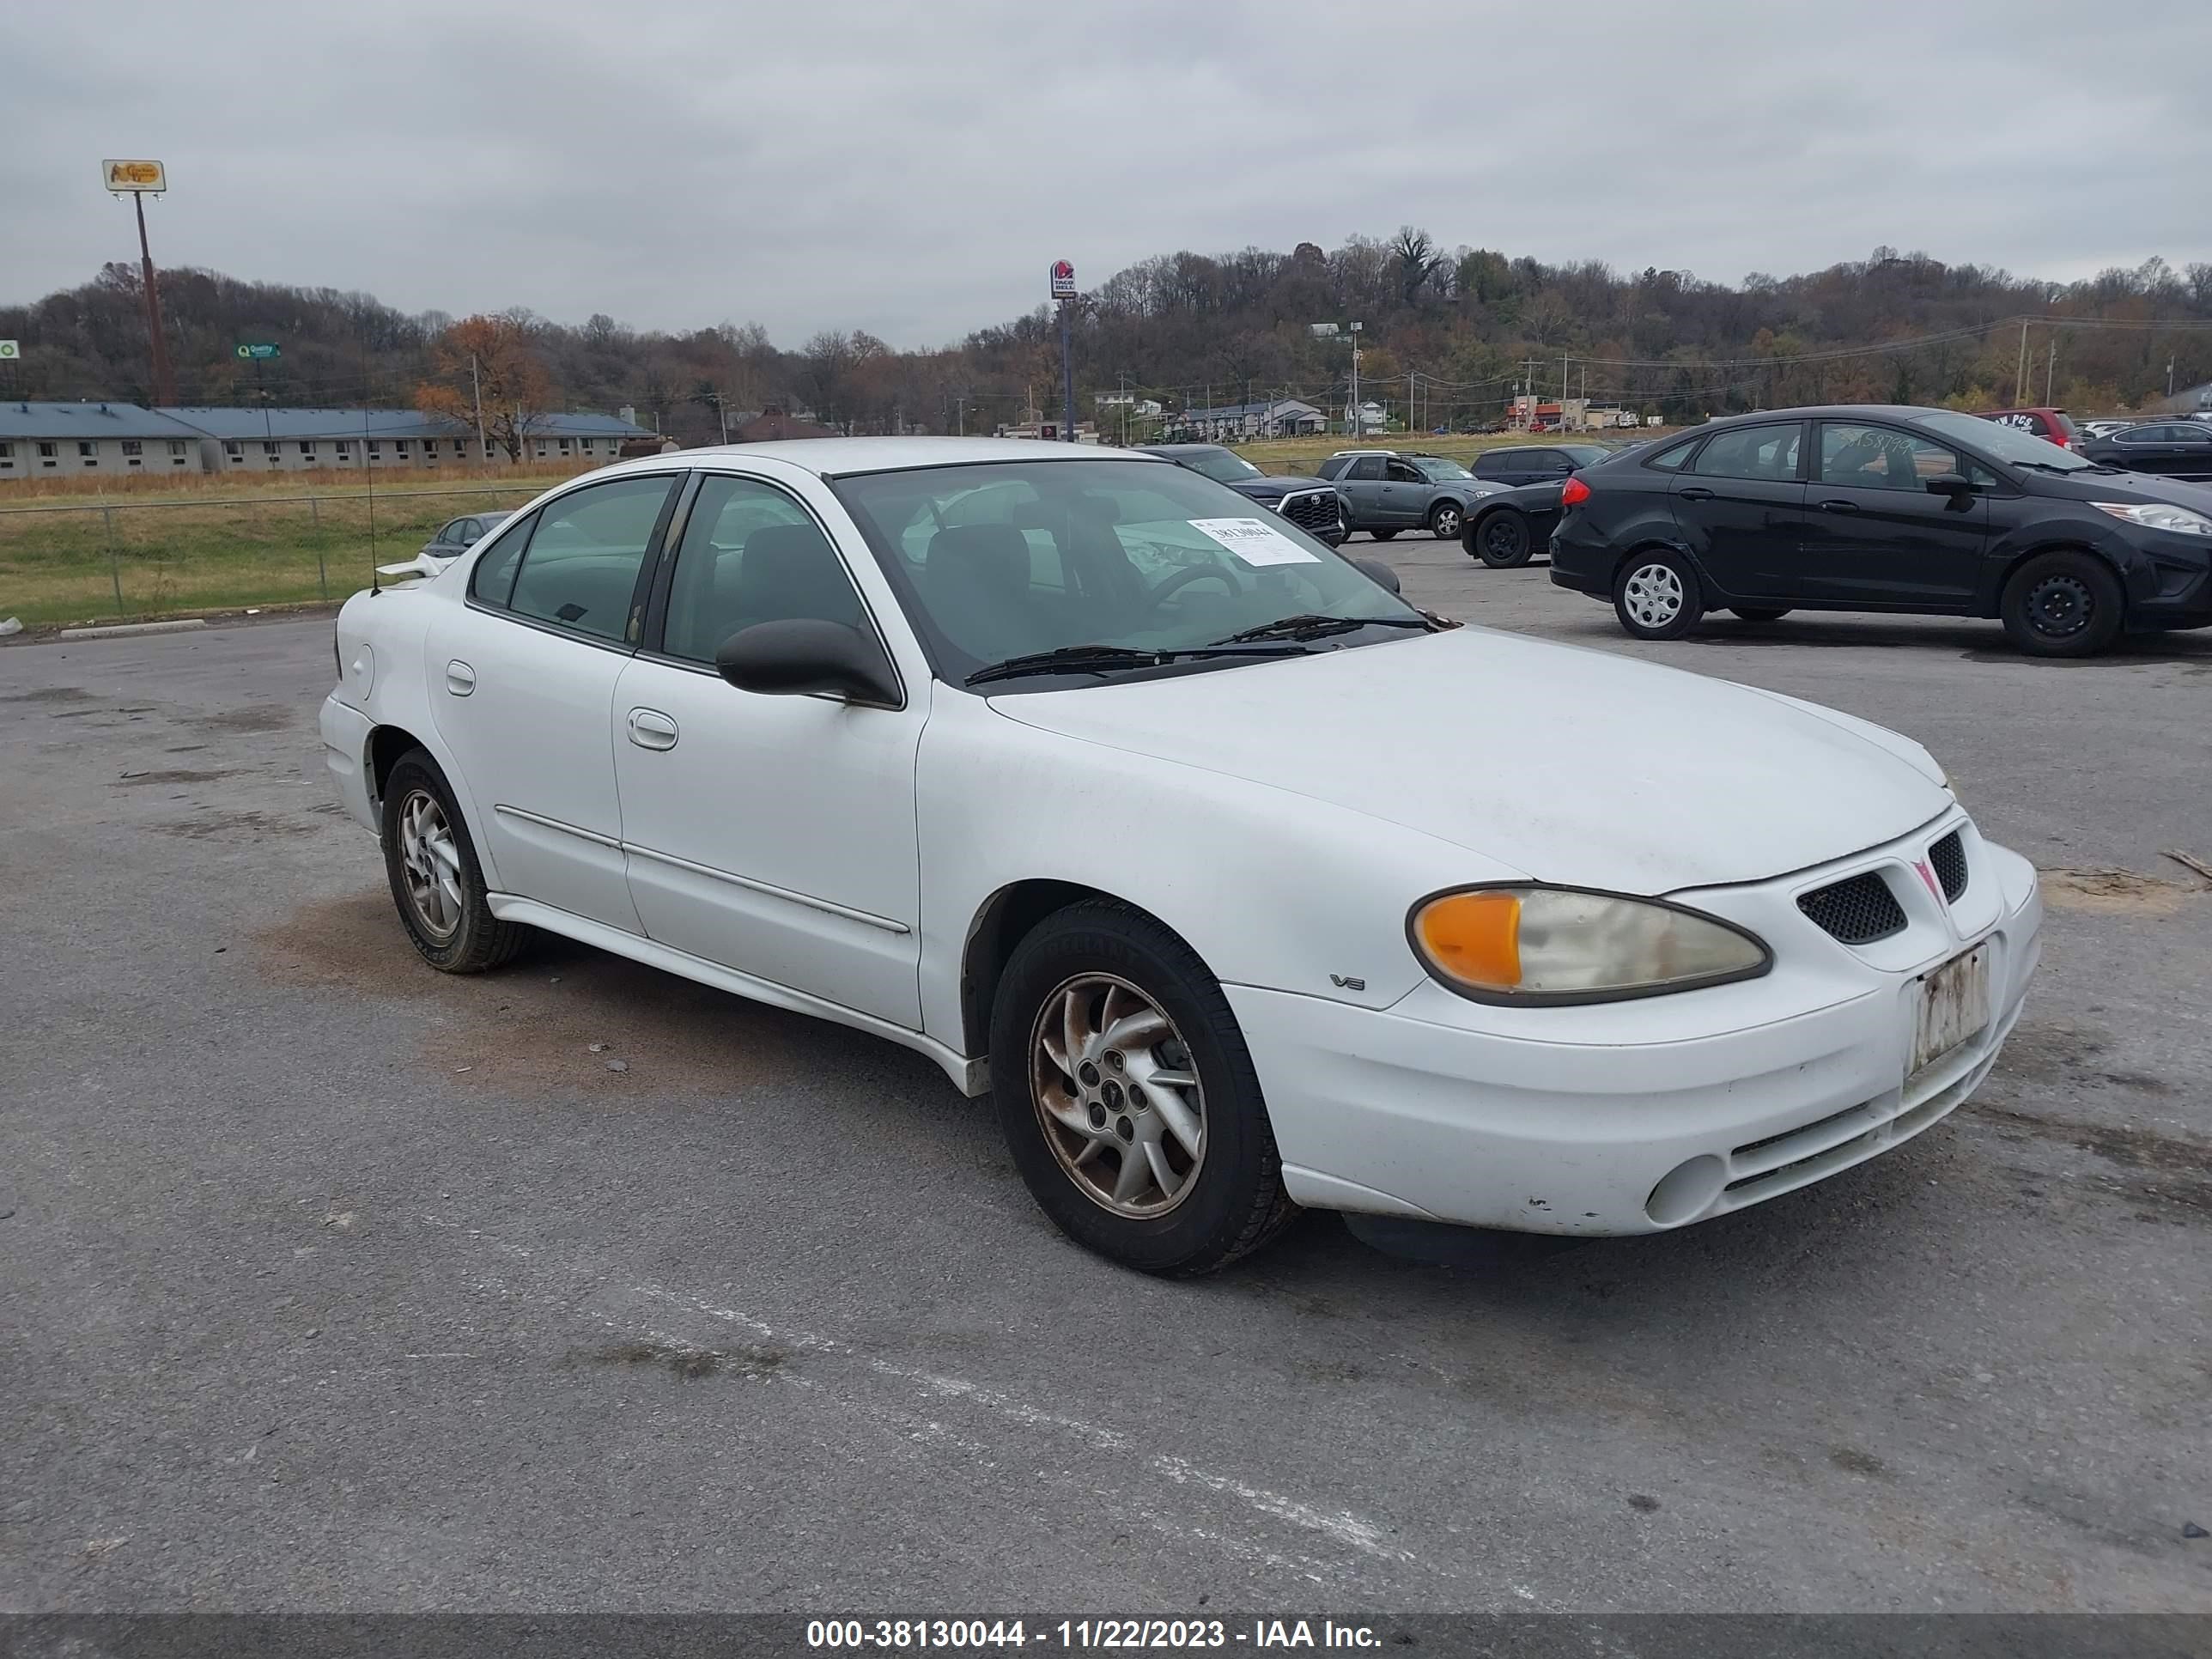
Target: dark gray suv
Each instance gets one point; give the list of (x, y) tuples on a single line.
[(1309, 503)]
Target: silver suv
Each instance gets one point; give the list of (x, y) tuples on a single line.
[(1388, 490)]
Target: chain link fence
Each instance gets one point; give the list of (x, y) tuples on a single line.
[(105, 560)]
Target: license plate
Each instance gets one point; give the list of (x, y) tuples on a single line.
[(1953, 1005)]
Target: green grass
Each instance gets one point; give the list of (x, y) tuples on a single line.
[(127, 559)]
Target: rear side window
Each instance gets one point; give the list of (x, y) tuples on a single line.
[(581, 566), (1366, 466), (1494, 463), (2064, 422), (1752, 452), (492, 581), (1670, 460)]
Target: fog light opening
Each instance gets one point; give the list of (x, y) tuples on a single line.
[(1685, 1190)]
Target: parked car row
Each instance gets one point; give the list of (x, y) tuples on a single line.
[(1880, 508)]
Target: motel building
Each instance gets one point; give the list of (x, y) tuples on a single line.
[(69, 440)]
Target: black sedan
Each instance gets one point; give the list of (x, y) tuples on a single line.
[(2171, 449), (1890, 509), (1312, 504), (1503, 530)]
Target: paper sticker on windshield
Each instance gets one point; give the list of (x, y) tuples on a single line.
[(1255, 541)]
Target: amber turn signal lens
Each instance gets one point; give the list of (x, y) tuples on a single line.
[(1475, 937)]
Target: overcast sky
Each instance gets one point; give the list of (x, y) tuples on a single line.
[(911, 166)]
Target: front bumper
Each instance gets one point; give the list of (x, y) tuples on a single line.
[(1640, 1116)]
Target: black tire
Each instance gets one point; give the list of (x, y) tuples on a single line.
[(2063, 604), (1632, 596), (476, 940), (1382, 535), (1234, 1200), (1446, 520), (1502, 540), (1758, 613)]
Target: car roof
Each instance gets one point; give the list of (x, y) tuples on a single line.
[(845, 458)]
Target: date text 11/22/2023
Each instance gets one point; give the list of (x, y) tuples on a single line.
[(1083, 1634)]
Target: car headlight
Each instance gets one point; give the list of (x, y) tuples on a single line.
[(1532, 944), (2159, 515)]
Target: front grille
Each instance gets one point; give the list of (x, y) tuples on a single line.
[(1948, 856), (1313, 512), (1858, 911)]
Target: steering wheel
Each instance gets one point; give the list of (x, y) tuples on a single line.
[(1194, 573)]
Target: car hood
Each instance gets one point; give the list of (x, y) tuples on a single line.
[(1273, 489), (2122, 486), (1570, 765)]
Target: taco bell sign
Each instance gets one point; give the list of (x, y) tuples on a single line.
[(1063, 279)]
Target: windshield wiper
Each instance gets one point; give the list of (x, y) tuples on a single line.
[(2053, 466), (1108, 658), (1311, 625)]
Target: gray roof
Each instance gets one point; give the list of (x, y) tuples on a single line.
[(232, 422), (1280, 406), (22, 420)]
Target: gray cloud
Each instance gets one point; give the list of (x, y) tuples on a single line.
[(911, 169)]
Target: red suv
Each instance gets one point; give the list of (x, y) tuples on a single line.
[(2052, 425)]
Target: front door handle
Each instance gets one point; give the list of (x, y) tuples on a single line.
[(1694, 493), (460, 678), (1840, 506), (651, 729)]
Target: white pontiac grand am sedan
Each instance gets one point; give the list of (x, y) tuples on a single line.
[(1129, 804)]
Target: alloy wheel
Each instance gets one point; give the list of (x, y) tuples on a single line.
[(1448, 524), (432, 862), (1653, 595), (1117, 1094)]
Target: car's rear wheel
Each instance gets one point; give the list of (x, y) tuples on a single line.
[(1502, 540), (436, 882), (1759, 613), (2063, 604), (1446, 520), (1381, 535), (1656, 596), (1127, 1097)]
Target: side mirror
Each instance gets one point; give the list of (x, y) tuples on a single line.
[(1378, 573), (806, 657), (1952, 485)]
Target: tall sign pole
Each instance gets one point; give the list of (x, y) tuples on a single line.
[(1063, 290), (138, 180)]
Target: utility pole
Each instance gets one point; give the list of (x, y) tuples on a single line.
[(1563, 392), (1358, 422), (2020, 375), (476, 391), (2050, 371), (1409, 403)]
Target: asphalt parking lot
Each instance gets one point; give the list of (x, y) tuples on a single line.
[(333, 1284)]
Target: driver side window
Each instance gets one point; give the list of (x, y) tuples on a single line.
[(751, 554)]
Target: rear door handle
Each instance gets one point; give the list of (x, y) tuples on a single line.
[(1694, 493), (460, 678), (1840, 506), (651, 729)]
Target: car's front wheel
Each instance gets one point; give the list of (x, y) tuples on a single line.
[(436, 882), (2063, 604), (1446, 520), (1127, 1097), (1656, 596), (1502, 540)]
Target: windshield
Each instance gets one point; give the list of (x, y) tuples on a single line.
[(2003, 443), (1436, 469), (1222, 465), (1012, 558)]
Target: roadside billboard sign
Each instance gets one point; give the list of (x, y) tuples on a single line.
[(145, 178)]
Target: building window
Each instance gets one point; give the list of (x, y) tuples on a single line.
[(234, 451), (177, 448), (345, 449), (132, 446), (375, 450), (47, 452), (85, 447), (307, 449), (272, 451), (564, 445), (541, 452), (400, 446)]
